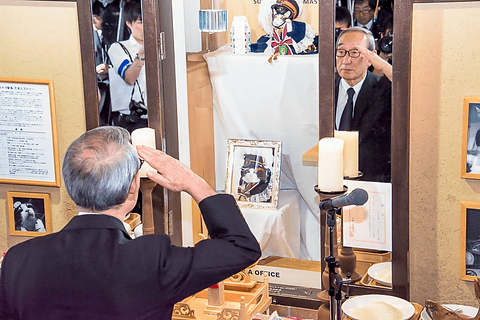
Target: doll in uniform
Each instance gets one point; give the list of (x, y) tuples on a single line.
[(284, 35)]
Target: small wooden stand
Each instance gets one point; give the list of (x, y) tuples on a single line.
[(146, 187), (241, 301)]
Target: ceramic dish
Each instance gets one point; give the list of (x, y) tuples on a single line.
[(351, 306), (466, 310), (382, 273)]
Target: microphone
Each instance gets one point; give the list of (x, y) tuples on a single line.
[(357, 197)]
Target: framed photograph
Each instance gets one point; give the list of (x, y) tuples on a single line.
[(470, 240), (471, 138), (253, 172), (28, 133), (29, 214)]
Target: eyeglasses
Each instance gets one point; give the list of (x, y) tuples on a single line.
[(354, 53), (141, 163), (362, 11)]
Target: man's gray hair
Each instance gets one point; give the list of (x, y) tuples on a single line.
[(368, 33), (99, 167)]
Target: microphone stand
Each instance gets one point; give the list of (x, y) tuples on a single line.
[(335, 280)]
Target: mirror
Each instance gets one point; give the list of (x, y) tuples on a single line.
[(160, 78), (362, 99), (120, 63)]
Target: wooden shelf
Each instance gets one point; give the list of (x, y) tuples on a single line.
[(310, 158)]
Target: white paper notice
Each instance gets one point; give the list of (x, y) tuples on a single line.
[(369, 226), (26, 146)]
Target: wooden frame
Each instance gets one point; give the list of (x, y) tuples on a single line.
[(470, 129), (32, 122), (470, 240), (264, 158), (21, 205)]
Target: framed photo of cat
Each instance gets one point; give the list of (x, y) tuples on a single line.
[(253, 172), (470, 240), (29, 214), (471, 138)]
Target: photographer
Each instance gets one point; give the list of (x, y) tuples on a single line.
[(385, 43), (127, 77), (382, 63)]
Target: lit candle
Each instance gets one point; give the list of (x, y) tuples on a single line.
[(330, 164), (146, 137), (350, 152)]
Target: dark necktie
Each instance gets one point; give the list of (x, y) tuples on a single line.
[(346, 120)]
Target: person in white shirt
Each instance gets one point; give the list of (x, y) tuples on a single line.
[(128, 60)]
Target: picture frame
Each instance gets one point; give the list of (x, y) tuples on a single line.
[(29, 214), (470, 168), (470, 240), (28, 134), (253, 172)]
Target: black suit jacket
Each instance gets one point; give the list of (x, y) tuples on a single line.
[(372, 119), (92, 269)]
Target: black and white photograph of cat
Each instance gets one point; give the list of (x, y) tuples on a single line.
[(255, 184), (29, 214)]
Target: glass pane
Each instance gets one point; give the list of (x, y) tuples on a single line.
[(368, 112), (120, 59)]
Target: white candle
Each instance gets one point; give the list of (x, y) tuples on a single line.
[(330, 164), (350, 152), (146, 137)]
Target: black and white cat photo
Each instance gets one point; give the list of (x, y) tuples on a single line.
[(255, 184)]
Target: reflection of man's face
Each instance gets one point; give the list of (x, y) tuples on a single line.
[(352, 69), (363, 13), (136, 27)]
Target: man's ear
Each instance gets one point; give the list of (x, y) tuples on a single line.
[(135, 185), (129, 25)]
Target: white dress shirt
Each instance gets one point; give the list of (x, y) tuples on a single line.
[(343, 97)]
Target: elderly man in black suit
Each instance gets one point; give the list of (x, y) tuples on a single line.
[(92, 269), (363, 101)]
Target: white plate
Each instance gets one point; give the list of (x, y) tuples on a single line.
[(468, 311), (351, 304), (381, 272)]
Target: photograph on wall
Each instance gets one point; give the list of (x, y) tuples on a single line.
[(470, 239), (253, 172), (471, 138), (29, 214)]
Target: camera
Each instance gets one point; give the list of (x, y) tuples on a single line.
[(137, 110), (385, 44)]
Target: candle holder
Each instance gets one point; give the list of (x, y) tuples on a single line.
[(146, 187), (360, 175), (331, 279)]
